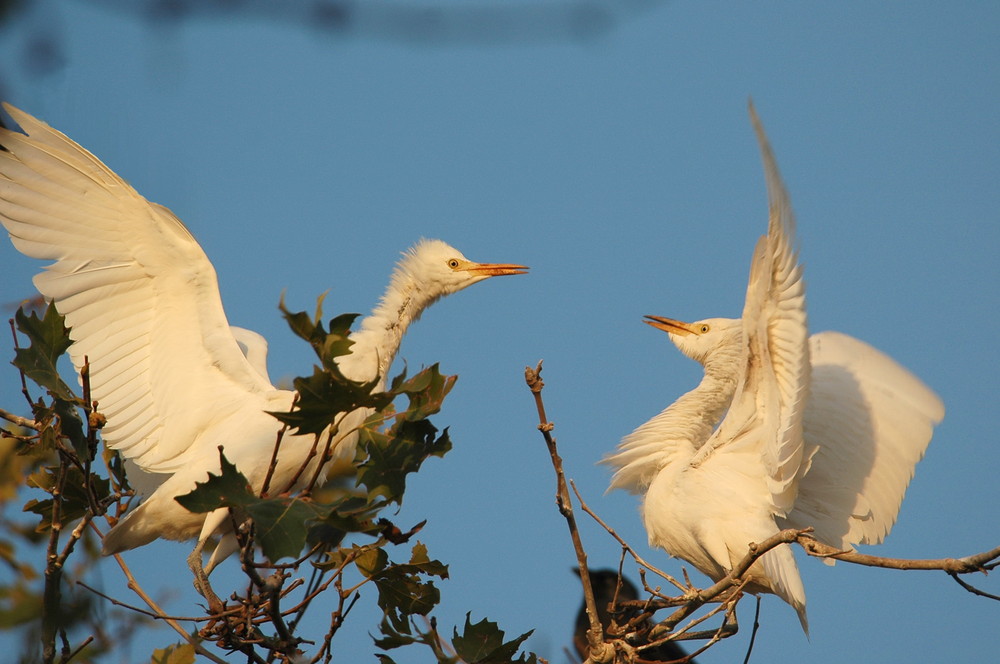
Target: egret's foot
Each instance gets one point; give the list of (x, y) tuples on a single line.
[(201, 583)]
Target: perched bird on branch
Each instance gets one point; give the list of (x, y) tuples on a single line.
[(784, 430), (607, 590), (173, 379)]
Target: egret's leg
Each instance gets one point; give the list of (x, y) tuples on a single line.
[(227, 546), (212, 523)]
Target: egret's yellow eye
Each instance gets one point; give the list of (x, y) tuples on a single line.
[(453, 263), (703, 328)]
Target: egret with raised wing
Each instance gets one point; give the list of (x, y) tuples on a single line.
[(784, 430), (173, 379)]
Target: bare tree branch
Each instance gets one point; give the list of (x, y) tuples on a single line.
[(974, 563), (18, 420), (600, 651), (971, 588)]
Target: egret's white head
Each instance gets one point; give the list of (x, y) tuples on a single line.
[(428, 271), (438, 269), (703, 341)]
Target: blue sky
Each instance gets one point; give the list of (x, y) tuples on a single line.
[(620, 164)]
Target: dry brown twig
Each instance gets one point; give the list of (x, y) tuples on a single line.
[(23, 422), (600, 651)]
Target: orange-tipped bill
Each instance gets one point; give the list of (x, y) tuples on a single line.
[(669, 325), (496, 269)]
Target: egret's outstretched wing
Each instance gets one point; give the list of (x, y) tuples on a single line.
[(771, 393), (138, 292), (872, 420)]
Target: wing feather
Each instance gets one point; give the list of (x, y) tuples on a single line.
[(137, 290), (872, 421), (771, 393)]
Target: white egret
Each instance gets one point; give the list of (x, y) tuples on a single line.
[(784, 430), (143, 303)]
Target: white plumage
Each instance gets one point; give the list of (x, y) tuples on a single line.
[(171, 376), (784, 430)]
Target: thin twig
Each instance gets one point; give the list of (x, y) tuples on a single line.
[(635, 556), (52, 593), (76, 651), (24, 379), (974, 563), (151, 614), (134, 586), (599, 650), (274, 454), (971, 588), (753, 632), (19, 421)]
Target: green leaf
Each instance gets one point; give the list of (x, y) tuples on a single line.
[(49, 339), (390, 457), (419, 560), (483, 643), (227, 489), (372, 562), (426, 392), (74, 501), (324, 396), (179, 653), (401, 595), (282, 525), (326, 344), (393, 638), (71, 425)]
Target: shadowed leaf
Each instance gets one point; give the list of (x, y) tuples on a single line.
[(282, 524), (179, 653), (227, 489), (482, 643), (49, 339)]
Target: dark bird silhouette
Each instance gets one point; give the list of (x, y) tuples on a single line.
[(605, 584)]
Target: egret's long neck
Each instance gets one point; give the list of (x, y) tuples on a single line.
[(695, 415), (673, 435), (377, 339)]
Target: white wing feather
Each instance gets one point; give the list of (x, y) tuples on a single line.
[(770, 398), (137, 290), (872, 421)]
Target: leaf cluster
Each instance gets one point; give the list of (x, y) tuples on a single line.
[(51, 456), (347, 532)]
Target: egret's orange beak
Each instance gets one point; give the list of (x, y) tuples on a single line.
[(669, 325), (496, 269)]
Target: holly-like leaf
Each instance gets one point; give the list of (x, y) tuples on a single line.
[(282, 525), (327, 345), (372, 562), (324, 396), (179, 653), (49, 339), (390, 457), (419, 560), (426, 392), (393, 638), (401, 595), (73, 501), (227, 489), (483, 643)]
